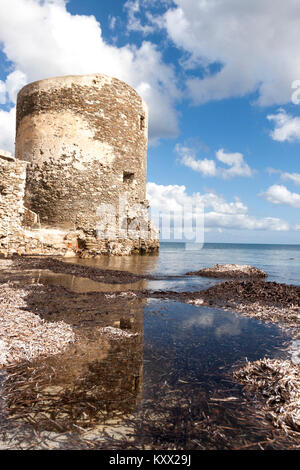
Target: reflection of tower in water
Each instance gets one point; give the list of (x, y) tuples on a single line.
[(98, 379), (95, 381)]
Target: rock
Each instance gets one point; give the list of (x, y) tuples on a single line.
[(229, 271)]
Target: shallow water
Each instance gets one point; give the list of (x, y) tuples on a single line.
[(170, 386), (81, 284), (280, 262)]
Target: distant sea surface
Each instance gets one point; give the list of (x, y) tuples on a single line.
[(280, 262)]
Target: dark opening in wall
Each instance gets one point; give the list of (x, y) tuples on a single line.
[(128, 177), (142, 122)]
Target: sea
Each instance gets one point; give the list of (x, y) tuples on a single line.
[(280, 262)]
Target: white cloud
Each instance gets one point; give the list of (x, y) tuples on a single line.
[(287, 127), (176, 197), (235, 161), (284, 175), (14, 82), (220, 205), (255, 42), (279, 194), (219, 214), (8, 93), (42, 39), (7, 126), (294, 177), (112, 22), (206, 167), (134, 22), (2, 92), (238, 167), (244, 222)]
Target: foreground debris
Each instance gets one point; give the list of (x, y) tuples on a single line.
[(23, 334), (267, 293), (229, 271), (97, 380), (96, 411), (278, 382)]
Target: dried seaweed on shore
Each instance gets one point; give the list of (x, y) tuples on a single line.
[(23, 334), (285, 317), (267, 301), (250, 291), (169, 417), (6, 263), (278, 382), (269, 293), (99, 382)]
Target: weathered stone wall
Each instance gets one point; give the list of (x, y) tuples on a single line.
[(12, 187), (86, 140)]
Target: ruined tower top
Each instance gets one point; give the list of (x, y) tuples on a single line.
[(86, 140)]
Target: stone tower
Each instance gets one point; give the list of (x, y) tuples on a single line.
[(85, 138)]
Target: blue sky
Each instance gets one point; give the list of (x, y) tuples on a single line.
[(222, 80)]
